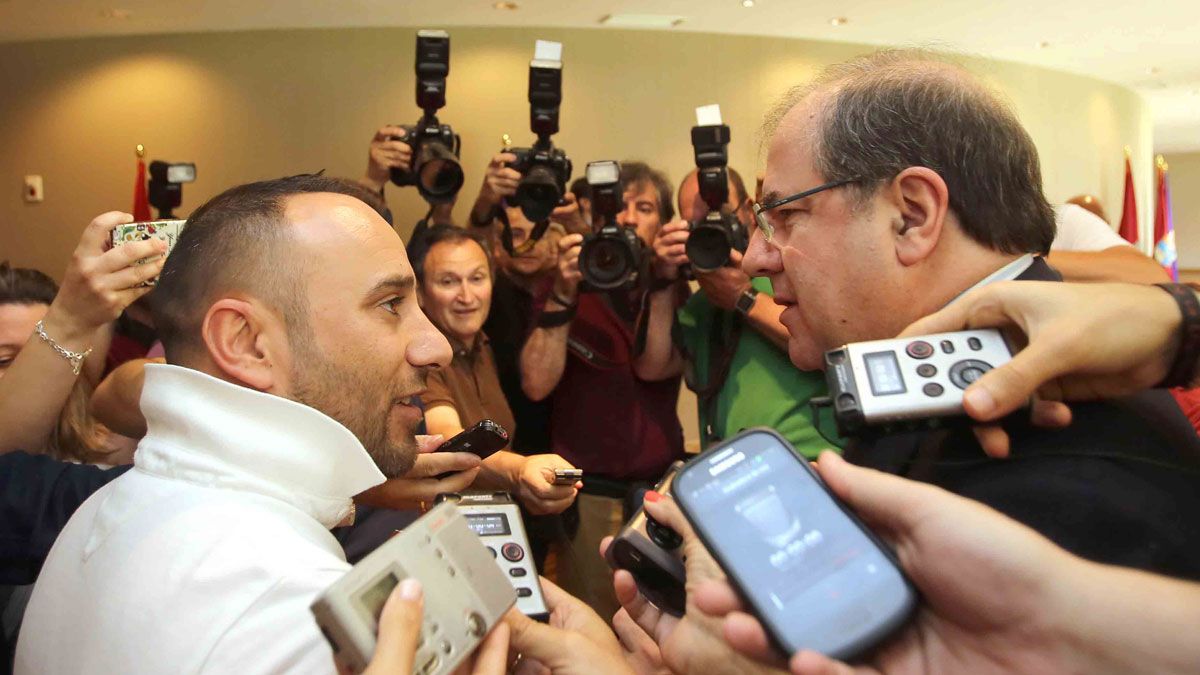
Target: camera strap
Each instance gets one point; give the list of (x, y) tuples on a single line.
[(721, 350), (506, 234)]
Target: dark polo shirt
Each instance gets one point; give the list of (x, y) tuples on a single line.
[(1120, 485), (471, 386)]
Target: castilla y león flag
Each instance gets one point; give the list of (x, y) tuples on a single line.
[(1129, 220), (1164, 230)]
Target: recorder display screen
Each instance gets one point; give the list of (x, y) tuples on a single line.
[(884, 372), (489, 524), (374, 596)]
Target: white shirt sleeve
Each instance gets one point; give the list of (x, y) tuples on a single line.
[(1081, 230)]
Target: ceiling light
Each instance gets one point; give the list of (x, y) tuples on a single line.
[(114, 13), (839, 21), (505, 5), (1152, 70), (641, 20), (747, 3), (1043, 44)]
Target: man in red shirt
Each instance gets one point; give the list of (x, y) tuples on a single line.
[(621, 430)]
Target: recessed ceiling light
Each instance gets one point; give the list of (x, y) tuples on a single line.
[(113, 13), (747, 3), (839, 21), (1152, 70), (1043, 44), (505, 5)]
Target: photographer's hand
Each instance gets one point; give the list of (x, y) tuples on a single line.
[(569, 216), (499, 181), (386, 154), (99, 283), (567, 284), (421, 485), (670, 249)]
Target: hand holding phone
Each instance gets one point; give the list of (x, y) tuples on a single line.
[(483, 440), (813, 574)]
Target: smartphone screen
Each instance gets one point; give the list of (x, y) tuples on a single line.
[(814, 576)]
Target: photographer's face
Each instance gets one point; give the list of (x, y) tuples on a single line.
[(538, 260), (641, 211), (456, 292), (363, 353), (831, 267)]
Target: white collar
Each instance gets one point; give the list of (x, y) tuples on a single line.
[(1009, 272), (213, 433)]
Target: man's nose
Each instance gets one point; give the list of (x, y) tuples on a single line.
[(428, 347), (761, 258)]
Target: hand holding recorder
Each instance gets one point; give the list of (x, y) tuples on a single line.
[(997, 596)]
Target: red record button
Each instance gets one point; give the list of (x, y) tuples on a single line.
[(919, 349), (512, 552)]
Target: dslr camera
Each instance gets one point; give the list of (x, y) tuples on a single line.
[(544, 168), (435, 147), (612, 257), (711, 239)]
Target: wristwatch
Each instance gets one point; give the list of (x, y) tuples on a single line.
[(745, 301)]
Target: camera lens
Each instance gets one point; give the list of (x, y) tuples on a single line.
[(439, 175), (606, 263), (708, 247), (538, 193), (662, 535)]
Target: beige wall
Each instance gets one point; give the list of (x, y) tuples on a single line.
[(1183, 173), (247, 106), (254, 105)]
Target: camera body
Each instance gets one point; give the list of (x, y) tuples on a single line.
[(434, 168), (711, 239), (612, 257), (545, 169), (653, 554)]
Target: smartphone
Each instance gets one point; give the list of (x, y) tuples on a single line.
[(166, 230), (814, 575), (567, 476), (484, 439)]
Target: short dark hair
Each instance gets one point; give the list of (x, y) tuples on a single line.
[(640, 173), (237, 240), (421, 246), (884, 112), (25, 286)]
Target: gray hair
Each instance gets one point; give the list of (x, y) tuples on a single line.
[(893, 109)]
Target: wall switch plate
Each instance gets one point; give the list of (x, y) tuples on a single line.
[(33, 189)]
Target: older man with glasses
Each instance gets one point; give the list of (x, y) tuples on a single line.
[(896, 182)]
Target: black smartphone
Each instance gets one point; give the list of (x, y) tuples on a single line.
[(484, 439), (814, 575)]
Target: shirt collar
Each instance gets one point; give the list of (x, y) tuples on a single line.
[(462, 350), (210, 432), (1009, 272)]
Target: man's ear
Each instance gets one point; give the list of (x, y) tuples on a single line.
[(243, 342), (921, 197)]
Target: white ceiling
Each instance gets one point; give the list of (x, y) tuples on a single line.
[(1152, 46)]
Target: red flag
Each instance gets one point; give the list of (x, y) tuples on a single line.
[(1129, 221), (141, 202), (1164, 229)]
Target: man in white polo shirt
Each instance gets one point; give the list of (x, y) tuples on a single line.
[(295, 348)]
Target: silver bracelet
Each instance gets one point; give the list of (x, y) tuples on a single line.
[(74, 358)]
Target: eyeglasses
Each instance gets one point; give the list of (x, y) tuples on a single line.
[(765, 225)]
